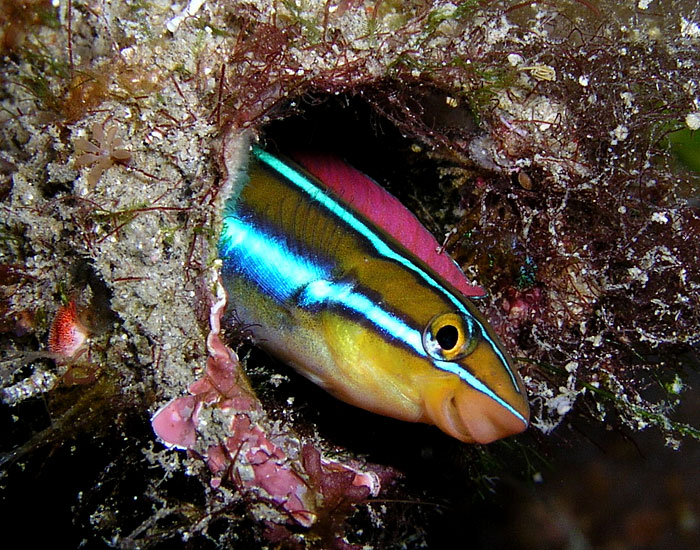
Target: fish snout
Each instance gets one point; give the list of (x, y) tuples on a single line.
[(472, 416), (485, 420)]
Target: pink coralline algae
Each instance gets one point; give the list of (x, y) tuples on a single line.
[(175, 423), (277, 470)]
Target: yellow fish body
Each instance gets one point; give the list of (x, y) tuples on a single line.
[(348, 306)]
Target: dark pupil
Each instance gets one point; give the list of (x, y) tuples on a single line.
[(447, 337)]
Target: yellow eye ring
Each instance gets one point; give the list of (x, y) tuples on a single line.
[(448, 337)]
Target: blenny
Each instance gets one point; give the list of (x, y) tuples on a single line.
[(339, 280)]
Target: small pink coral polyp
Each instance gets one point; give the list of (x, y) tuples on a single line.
[(106, 150), (68, 335)]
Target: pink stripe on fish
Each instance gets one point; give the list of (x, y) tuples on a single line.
[(381, 207)]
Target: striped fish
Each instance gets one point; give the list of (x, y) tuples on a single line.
[(336, 296)]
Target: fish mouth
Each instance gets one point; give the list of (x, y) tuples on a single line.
[(470, 416)]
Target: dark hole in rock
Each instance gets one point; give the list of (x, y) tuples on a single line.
[(389, 135)]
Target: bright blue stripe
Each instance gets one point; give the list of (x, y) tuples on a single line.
[(265, 260), (376, 241), (343, 294), (478, 385)]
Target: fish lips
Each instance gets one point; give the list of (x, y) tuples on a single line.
[(470, 415)]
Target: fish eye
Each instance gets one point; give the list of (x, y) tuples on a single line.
[(448, 337)]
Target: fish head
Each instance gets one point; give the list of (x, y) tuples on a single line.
[(474, 393), (454, 373)]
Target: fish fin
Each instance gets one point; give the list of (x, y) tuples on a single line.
[(382, 208)]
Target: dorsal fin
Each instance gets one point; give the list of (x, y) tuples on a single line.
[(385, 210)]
